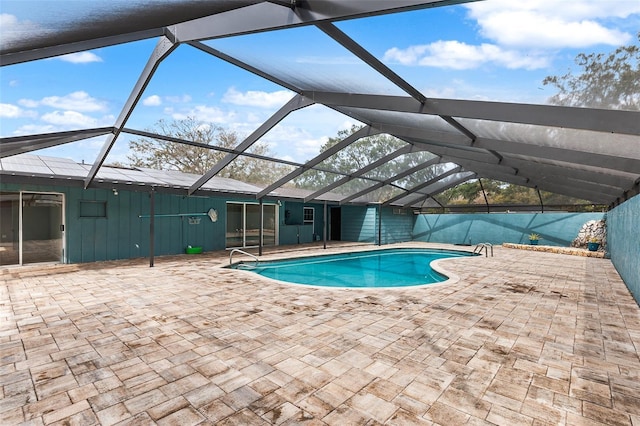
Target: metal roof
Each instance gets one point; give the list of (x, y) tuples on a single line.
[(63, 171), (587, 153)]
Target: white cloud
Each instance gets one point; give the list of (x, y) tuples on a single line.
[(15, 30), (306, 149), (207, 114), (257, 98), (69, 119), (524, 34), (567, 10), (442, 92), (552, 24), (80, 58), (14, 83), (457, 55), (13, 111), (77, 101), (35, 129), (29, 103), (527, 29), (348, 124), (8, 21), (254, 118), (153, 100), (178, 99), (300, 136), (294, 143), (10, 111)]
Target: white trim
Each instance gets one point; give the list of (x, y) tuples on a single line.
[(313, 218)]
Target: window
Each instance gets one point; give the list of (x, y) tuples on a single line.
[(307, 215), (93, 208)]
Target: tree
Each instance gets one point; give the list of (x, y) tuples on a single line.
[(163, 155), (357, 156), (503, 193), (610, 81)]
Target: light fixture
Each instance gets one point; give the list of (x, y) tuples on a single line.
[(115, 191)]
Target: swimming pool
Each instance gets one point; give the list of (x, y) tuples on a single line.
[(365, 269)]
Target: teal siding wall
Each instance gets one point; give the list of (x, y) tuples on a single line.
[(122, 234), (296, 234), (292, 228), (318, 223), (623, 236), (397, 228), (360, 224), (555, 229)]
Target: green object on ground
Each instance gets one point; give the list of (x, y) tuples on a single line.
[(193, 250)]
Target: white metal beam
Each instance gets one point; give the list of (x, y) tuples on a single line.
[(361, 133), (371, 166), (599, 120), (23, 144), (439, 187), (394, 178), (163, 48), (267, 16), (297, 102), (423, 185), (79, 46)]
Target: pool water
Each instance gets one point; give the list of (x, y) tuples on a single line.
[(378, 268)]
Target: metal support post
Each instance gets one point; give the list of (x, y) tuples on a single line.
[(152, 220), (324, 225)]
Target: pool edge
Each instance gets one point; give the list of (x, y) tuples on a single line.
[(452, 278)]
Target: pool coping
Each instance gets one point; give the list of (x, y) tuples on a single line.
[(452, 278), (573, 251)]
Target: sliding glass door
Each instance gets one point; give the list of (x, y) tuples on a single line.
[(243, 225), (31, 227), (252, 225)]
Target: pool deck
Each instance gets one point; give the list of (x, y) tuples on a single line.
[(521, 338)]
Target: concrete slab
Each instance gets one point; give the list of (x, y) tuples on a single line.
[(520, 338)]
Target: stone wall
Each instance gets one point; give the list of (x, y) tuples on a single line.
[(592, 231)]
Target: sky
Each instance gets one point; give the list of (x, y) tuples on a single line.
[(488, 50)]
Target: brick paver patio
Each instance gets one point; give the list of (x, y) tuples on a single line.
[(521, 338)]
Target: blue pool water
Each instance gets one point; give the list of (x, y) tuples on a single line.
[(378, 268)]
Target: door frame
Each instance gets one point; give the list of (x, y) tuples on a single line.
[(63, 254), (244, 223)]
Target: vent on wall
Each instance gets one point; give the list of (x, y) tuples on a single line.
[(399, 211)]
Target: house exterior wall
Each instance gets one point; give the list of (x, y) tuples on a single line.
[(397, 225), (555, 229), (293, 230), (121, 234), (623, 234), (360, 224)]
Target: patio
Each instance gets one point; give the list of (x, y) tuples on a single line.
[(524, 337)]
